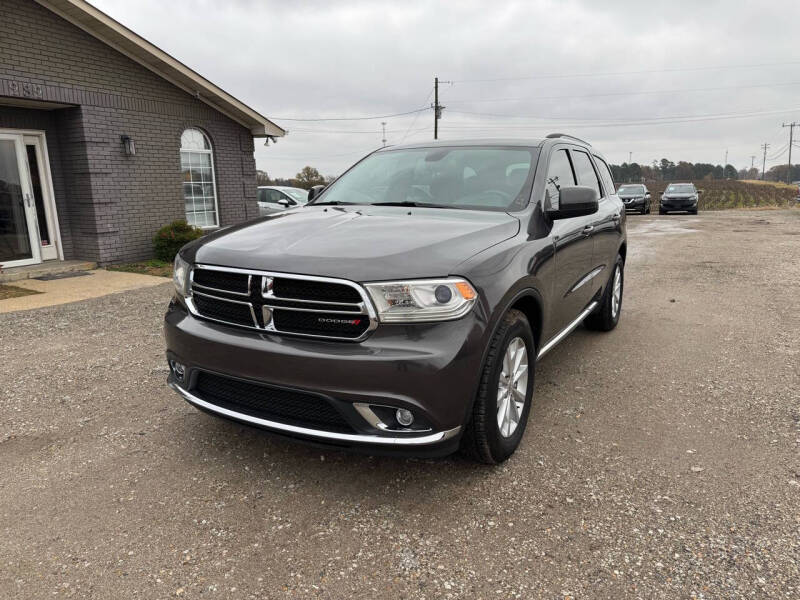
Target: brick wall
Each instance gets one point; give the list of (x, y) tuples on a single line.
[(110, 204)]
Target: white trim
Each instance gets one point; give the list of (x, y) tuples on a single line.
[(210, 152), (48, 175), (28, 213), (49, 199), (123, 40)]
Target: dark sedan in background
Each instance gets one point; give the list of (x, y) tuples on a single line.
[(635, 196), (679, 197)]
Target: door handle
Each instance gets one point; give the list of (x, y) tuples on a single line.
[(28, 200), (588, 229)]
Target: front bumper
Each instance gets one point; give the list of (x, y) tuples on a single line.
[(631, 203), (676, 204), (430, 369)]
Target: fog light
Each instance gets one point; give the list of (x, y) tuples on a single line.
[(404, 417), (178, 370)]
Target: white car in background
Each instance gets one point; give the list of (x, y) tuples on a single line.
[(276, 198)]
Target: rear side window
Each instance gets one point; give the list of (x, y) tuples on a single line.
[(559, 175), (606, 176), (584, 169)]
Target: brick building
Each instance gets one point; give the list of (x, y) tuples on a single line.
[(104, 138)]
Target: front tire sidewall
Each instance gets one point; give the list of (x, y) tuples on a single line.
[(503, 447)]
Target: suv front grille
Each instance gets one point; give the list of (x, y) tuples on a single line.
[(281, 303), (268, 402)]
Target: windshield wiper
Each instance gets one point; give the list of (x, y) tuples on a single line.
[(332, 203)]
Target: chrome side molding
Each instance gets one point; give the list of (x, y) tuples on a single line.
[(566, 331)]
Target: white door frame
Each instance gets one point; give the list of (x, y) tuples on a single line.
[(39, 138), (28, 204)]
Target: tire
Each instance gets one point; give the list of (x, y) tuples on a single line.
[(643, 211), (483, 440), (661, 211), (606, 316), (693, 212)]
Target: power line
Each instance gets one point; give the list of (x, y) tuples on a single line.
[(614, 73), (353, 131), (516, 126), (410, 112), (628, 93), (416, 116)]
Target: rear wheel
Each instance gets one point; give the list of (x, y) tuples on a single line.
[(606, 317), (501, 408), (661, 211)]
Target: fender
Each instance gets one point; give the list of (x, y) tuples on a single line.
[(527, 292)]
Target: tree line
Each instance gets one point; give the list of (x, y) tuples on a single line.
[(307, 178), (666, 170)]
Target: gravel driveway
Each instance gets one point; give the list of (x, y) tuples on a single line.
[(662, 460)]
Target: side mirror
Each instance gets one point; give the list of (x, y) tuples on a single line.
[(699, 192), (284, 202), (575, 202), (647, 194), (315, 191)]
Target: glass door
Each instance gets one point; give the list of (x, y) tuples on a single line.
[(19, 241)]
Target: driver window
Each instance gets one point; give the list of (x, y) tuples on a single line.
[(559, 175)]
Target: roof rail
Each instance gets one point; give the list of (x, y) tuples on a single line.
[(566, 135)]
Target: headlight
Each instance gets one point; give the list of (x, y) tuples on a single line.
[(422, 299), (180, 276)]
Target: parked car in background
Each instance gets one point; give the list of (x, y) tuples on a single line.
[(275, 198), (404, 308), (679, 197), (635, 196)]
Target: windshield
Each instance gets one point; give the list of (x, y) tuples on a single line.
[(483, 178), (681, 188), (297, 194), (631, 189)]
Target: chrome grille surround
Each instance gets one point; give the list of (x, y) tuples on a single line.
[(262, 300)]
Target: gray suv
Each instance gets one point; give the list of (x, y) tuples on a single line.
[(403, 309)]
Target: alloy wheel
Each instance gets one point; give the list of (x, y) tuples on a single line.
[(512, 388), (616, 292)]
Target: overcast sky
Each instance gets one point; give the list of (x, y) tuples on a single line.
[(553, 66)]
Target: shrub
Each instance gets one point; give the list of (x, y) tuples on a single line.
[(171, 238)]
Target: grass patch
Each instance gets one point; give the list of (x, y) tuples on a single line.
[(156, 267), (12, 291)]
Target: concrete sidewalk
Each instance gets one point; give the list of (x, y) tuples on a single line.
[(61, 291)]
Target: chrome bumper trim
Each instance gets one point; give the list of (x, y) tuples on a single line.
[(377, 440), (566, 331)]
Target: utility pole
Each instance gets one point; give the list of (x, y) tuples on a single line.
[(752, 160), (791, 127), (764, 164), (383, 124), (437, 108), (630, 157), (726, 162)]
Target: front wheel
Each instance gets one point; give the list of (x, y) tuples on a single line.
[(606, 316), (501, 408)]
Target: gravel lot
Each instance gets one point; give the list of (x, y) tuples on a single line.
[(662, 460)]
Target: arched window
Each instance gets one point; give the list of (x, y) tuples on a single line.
[(199, 180)]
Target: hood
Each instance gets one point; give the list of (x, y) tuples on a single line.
[(679, 194), (629, 196), (367, 243)]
